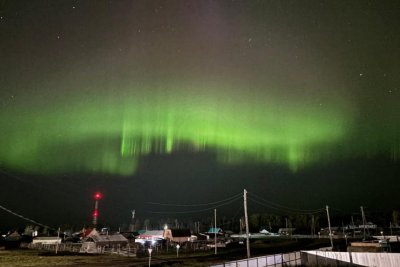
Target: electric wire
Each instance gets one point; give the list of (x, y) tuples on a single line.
[(337, 210), (196, 211), (195, 205), (279, 206), (20, 179), (70, 190), (68, 194), (25, 218), (238, 210), (286, 211)]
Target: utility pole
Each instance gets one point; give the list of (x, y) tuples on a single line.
[(354, 227), (363, 220), (246, 222), (132, 225), (215, 231), (329, 225), (390, 225), (58, 236), (312, 226)]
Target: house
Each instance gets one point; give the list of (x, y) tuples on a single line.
[(151, 234), (286, 231), (12, 241), (213, 231), (130, 236), (178, 235), (334, 230), (369, 246), (85, 232), (266, 232), (95, 242), (368, 225)]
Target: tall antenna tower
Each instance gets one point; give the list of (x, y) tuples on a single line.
[(97, 197)]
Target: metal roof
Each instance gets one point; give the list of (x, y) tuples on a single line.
[(105, 239)]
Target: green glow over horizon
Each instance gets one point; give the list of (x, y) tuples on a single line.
[(108, 134), (99, 87)]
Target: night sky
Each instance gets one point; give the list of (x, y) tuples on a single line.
[(192, 101)]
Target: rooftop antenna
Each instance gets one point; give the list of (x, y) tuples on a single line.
[(132, 225), (364, 222)]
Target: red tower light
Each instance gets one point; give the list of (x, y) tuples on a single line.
[(97, 196), (95, 213)]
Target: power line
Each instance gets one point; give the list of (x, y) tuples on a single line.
[(239, 210), (282, 206), (277, 206), (285, 211), (195, 205), (195, 211), (25, 218), (41, 187), (18, 178)]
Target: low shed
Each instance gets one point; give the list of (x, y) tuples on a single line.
[(48, 240)]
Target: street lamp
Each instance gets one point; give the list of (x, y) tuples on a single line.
[(177, 250), (150, 250)]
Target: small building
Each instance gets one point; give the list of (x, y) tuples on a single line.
[(334, 230), (368, 225), (370, 246), (130, 236), (213, 231), (266, 232), (178, 235), (151, 235), (286, 231), (12, 241), (46, 240), (96, 243)]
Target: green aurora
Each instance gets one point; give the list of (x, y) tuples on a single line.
[(108, 133), (93, 88), (111, 133)]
